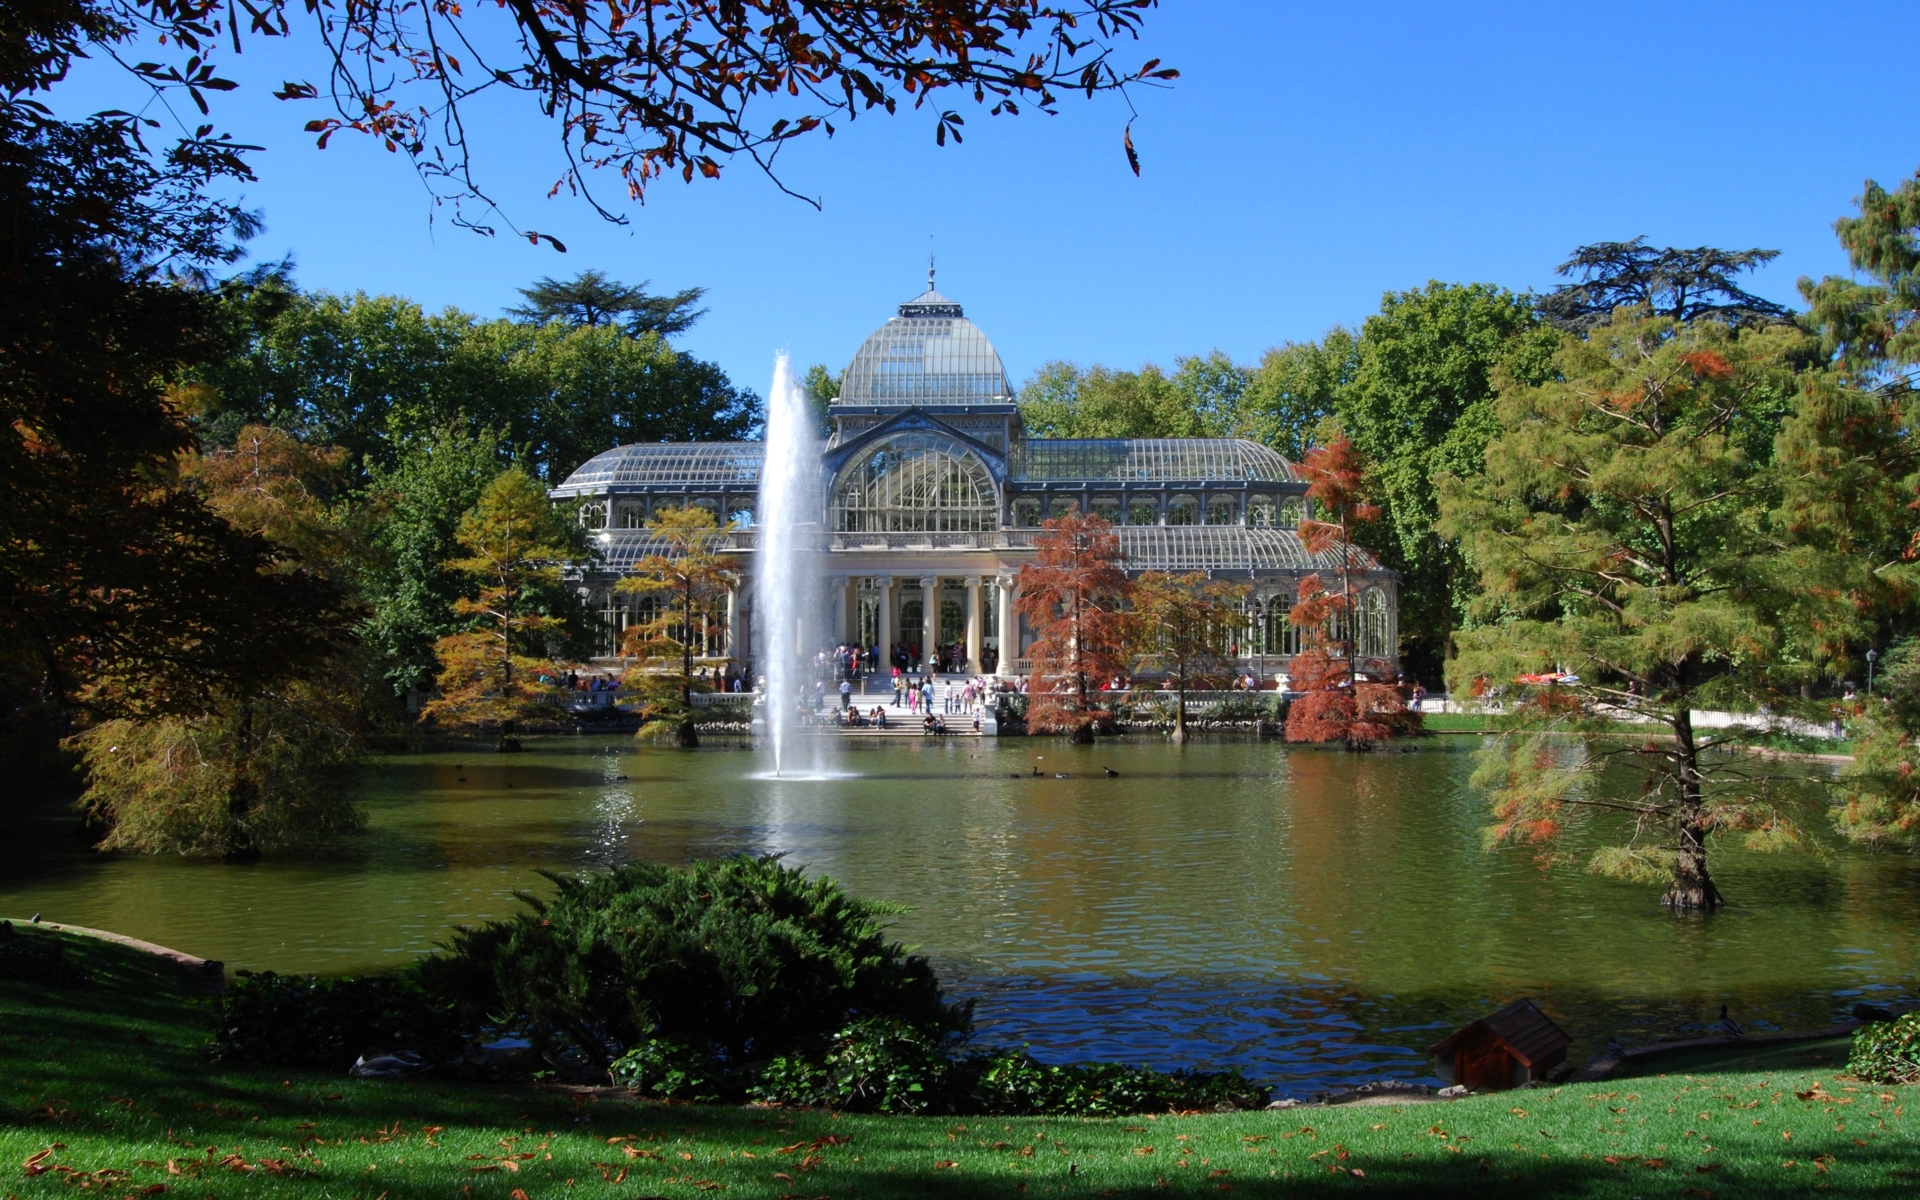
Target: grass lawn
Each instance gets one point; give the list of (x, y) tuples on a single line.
[(106, 1090)]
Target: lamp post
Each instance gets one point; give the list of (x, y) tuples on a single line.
[(1871, 656)]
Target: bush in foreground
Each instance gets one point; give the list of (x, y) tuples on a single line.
[(728, 981), (1888, 1051)]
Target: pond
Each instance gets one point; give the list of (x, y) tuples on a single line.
[(1314, 917)]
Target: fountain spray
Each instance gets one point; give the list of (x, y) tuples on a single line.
[(786, 573)]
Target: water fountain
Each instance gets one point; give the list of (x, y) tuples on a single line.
[(787, 599)]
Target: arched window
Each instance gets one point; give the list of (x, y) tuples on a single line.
[(1376, 632), (915, 482), (633, 515), (1262, 512), (1026, 511), (1222, 510), (1183, 510), (1061, 506), (740, 511), (593, 515), (1143, 510), (710, 506), (1107, 508), (1293, 510)]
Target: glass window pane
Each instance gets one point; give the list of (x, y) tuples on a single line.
[(1026, 511), (1143, 510), (1107, 508), (1223, 510), (1183, 510), (1262, 512)]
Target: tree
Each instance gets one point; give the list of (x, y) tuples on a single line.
[(121, 592), (374, 374), (1199, 400), (1627, 566), (263, 767), (823, 388), (592, 299), (1075, 595), (1851, 478), (687, 578), (669, 86), (1185, 625), (1685, 285), (412, 512), (1295, 388), (516, 544), (1420, 406), (1337, 704)]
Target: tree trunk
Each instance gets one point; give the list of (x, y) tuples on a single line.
[(1692, 888), (1082, 734), (1180, 715), (685, 735)]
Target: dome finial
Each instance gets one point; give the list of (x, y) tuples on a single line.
[(930, 286)]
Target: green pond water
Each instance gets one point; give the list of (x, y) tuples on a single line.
[(1312, 916)]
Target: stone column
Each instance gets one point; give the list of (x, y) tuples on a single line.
[(1009, 628), (974, 626), (733, 616), (929, 622), (840, 607), (884, 583)]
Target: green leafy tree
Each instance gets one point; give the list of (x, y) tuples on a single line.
[(1421, 406), (688, 579), (1296, 388), (412, 512), (1185, 626), (592, 299), (516, 545), (374, 374), (823, 388), (1626, 566), (1200, 399)]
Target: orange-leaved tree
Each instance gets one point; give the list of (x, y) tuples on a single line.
[(516, 544), (687, 579), (1076, 597), (1185, 626), (1337, 705)]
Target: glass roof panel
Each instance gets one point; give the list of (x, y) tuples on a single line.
[(644, 463), (929, 354), (1181, 548), (1147, 459)]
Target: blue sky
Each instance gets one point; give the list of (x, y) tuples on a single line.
[(1311, 157)]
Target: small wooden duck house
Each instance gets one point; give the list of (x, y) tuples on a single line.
[(1506, 1050)]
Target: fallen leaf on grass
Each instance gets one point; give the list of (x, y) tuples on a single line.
[(517, 1194), (944, 1163)]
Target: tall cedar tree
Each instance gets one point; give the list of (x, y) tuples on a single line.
[(1338, 705), (1075, 596), (1185, 626), (516, 544), (1687, 285), (687, 578), (591, 298), (1621, 534)]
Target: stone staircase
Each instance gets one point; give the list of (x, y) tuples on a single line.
[(905, 723)]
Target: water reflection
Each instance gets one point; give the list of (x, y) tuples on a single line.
[(1313, 916)]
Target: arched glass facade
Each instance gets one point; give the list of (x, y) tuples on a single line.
[(915, 482)]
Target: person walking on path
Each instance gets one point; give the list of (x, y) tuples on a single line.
[(846, 695)]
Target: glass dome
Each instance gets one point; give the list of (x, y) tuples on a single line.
[(682, 463), (929, 354)]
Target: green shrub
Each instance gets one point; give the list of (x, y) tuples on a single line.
[(1012, 1083), (741, 959), (672, 1070), (1887, 1051), (880, 1064), (296, 1021)]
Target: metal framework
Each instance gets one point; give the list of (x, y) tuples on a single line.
[(1227, 549), (676, 463), (1148, 460), (913, 482), (929, 354)]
